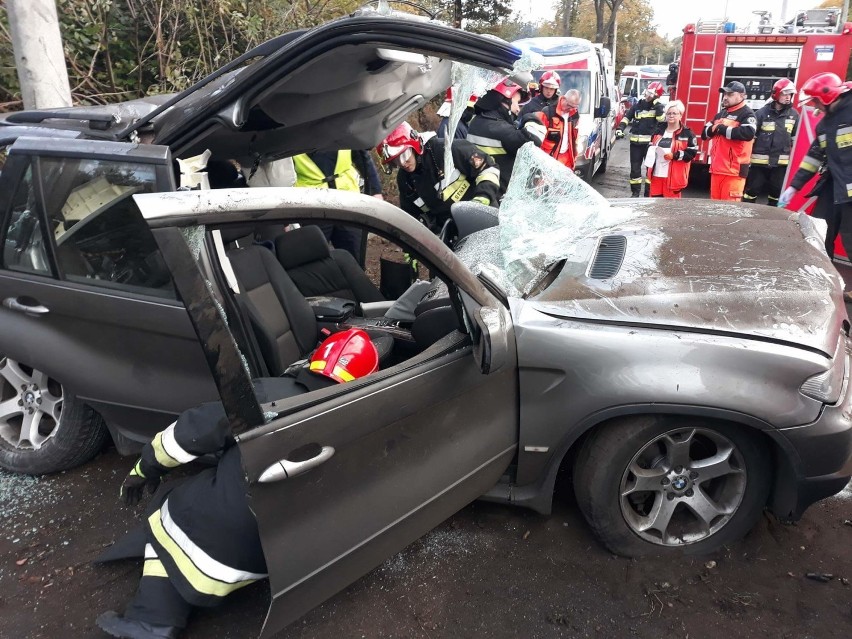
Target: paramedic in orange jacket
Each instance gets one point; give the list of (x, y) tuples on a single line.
[(674, 149), (733, 130), (561, 121)]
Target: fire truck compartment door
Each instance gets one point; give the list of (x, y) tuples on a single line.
[(772, 57)]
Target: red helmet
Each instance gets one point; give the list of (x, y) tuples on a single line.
[(550, 79), (401, 138), (507, 88), (345, 356), (656, 88), (784, 86), (825, 87)]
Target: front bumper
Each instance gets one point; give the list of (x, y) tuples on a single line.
[(820, 454)]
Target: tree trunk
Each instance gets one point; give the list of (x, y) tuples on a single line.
[(457, 14), (599, 20), (615, 5), (39, 56)]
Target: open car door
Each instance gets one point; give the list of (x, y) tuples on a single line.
[(344, 477)]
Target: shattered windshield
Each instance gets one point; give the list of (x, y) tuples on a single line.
[(545, 217)]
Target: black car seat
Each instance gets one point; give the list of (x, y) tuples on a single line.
[(283, 322), (317, 269)]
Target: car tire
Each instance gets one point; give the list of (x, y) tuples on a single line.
[(43, 427), (658, 484)]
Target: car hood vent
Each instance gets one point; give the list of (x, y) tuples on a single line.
[(608, 258)]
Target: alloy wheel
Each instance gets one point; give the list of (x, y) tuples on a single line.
[(682, 486), (30, 406)]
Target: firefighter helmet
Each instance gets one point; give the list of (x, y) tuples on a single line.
[(784, 86), (824, 87), (401, 138), (507, 88), (345, 356), (550, 79), (656, 89)]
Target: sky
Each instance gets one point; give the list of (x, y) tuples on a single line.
[(671, 16)]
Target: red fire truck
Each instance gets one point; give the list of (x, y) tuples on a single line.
[(713, 53)]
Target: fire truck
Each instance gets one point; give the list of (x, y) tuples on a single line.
[(714, 53)]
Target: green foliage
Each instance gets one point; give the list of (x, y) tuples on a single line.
[(123, 49)]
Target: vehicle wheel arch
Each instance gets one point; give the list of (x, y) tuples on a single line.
[(783, 481)]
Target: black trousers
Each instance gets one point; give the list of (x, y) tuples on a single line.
[(839, 220), (637, 171), (158, 602), (348, 238), (763, 178)]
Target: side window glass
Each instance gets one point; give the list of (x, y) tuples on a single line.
[(24, 247), (101, 238)]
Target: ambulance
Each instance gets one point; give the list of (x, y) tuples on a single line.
[(586, 67)]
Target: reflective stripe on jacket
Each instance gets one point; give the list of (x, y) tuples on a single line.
[(645, 119), (345, 177), (684, 148), (731, 153), (775, 132), (832, 146)]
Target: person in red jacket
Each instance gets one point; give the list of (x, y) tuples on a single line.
[(673, 150), (561, 121), (733, 130)]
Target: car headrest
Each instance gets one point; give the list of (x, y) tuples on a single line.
[(301, 246), (233, 233)]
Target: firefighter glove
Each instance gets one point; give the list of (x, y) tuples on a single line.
[(135, 484), (786, 196), (619, 133), (720, 129)]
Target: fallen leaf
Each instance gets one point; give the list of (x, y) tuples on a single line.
[(526, 534), (21, 562)]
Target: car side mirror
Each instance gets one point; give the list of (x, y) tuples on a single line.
[(491, 346), (603, 108)]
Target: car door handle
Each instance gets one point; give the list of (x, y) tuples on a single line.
[(33, 310), (283, 468)]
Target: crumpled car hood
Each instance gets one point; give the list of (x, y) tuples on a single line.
[(696, 265)]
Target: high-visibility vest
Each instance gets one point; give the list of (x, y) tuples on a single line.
[(345, 176)]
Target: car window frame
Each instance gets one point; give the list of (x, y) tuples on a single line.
[(28, 152)]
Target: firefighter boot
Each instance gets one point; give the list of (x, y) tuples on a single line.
[(635, 190), (114, 624)]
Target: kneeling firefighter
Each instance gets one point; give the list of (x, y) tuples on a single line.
[(202, 540), (427, 188)]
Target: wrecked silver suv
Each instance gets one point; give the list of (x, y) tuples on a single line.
[(686, 361)]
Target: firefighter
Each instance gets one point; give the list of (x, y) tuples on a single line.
[(202, 538), (733, 130), (427, 189), (645, 118), (560, 127), (493, 128), (343, 170), (832, 147), (549, 93), (777, 122)]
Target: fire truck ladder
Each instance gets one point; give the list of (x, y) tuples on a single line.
[(700, 78)]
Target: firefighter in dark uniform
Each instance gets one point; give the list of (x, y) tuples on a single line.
[(202, 537), (427, 188), (645, 118), (777, 122), (832, 148), (549, 84), (493, 128)]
